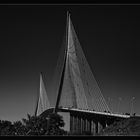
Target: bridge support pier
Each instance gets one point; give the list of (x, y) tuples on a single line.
[(72, 124), (81, 126), (88, 125), (78, 124), (93, 127), (81, 123), (100, 127)]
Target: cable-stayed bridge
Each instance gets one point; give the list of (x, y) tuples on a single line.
[(79, 98)]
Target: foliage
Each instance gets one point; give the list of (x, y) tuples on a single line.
[(125, 127), (34, 126), (6, 128), (55, 124), (19, 129)]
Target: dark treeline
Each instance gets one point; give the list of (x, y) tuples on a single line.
[(126, 127), (33, 126)]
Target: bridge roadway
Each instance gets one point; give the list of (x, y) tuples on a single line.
[(78, 121), (95, 112)]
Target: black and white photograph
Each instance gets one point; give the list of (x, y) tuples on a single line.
[(69, 69)]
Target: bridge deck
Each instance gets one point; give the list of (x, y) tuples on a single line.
[(96, 112), (92, 112)]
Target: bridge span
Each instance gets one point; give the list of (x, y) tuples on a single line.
[(78, 121)]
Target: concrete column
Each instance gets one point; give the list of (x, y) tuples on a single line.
[(71, 123), (81, 126), (100, 127), (77, 124), (96, 127), (90, 126), (93, 127), (87, 125), (84, 124), (79, 120)]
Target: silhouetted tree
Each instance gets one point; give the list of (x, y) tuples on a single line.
[(34, 125), (6, 128), (40, 125), (55, 125), (19, 129)]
